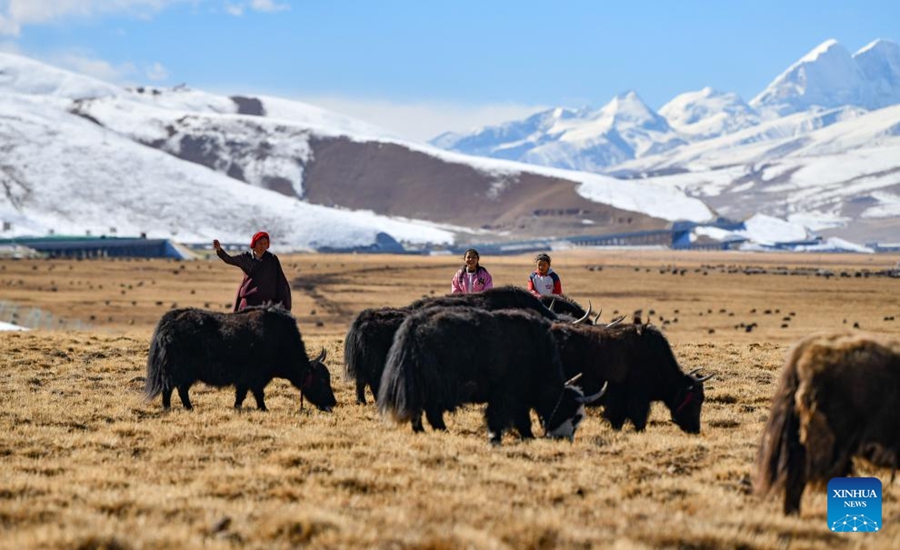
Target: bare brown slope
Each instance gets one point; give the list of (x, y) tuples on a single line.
[(390, 179)]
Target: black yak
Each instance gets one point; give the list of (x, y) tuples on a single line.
[(442, 358), (372, 331), (637, 362), (244, 349), (837, 399)]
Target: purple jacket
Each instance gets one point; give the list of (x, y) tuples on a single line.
[(482, 281), (264, 280)]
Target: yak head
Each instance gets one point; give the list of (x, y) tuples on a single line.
[(317, 386), (569, 411), (688, 401)]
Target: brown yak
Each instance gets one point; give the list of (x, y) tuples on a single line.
[(838, 398)]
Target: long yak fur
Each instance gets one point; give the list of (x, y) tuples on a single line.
[(837, 399)]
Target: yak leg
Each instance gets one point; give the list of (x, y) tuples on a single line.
[(360, 391), (638, 412), (523, 424), (793, 453), (240, 393), (794, 485), (436, 419), (167, 398), (260, 399), (416, 422), (615, 411), (185, 398)]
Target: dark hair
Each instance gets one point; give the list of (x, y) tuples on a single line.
[(542, 257)]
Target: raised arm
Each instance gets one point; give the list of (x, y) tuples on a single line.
[(242, 261)]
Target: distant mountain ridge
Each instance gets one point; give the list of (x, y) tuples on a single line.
[(582, 139), (625, 129)]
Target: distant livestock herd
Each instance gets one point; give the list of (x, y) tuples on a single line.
[(516, 353)]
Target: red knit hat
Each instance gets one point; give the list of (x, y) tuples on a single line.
[(259, 235)]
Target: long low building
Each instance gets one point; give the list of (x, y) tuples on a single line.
[(98, 247)]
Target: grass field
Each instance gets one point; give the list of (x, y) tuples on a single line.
[(86, 463)]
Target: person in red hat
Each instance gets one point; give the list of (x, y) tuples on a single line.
[(264, 281)]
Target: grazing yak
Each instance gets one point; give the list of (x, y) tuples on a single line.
[(442, 358), (837, 399), (637, 362), (244, 349), (372, 331)]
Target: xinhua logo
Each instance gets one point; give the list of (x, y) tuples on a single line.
[(854, 504)]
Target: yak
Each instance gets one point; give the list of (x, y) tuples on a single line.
[(372, 331), (639, 366), (442, 358), (837, 398), (244, 349)]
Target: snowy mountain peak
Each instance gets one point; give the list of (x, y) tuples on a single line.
[(628, 106), (878, 45), (827, 76), (628, 109), (879, 62), (831, 46), (708, 113)]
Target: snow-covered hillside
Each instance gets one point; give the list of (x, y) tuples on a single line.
[(83, 156), (63, 173)]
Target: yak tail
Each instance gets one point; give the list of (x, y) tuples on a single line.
[(158, 361), (401, 394), (352, 351), (780, 451)]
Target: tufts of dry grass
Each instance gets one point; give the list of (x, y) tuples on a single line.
[(86, 463)]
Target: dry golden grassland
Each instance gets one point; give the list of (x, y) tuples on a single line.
[(86, 463)]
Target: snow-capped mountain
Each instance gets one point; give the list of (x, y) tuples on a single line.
[(826, 77), (829, 76), (827, 85), (880, 65), (583, 139), (708, 113), (79, 155), (819, 145)]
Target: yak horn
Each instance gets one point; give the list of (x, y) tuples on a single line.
[(552, 303), (704, 378), (574, 379), (695, 371), (597, 318), (593, 397), (321, 357), (586, 315), (615, 321)]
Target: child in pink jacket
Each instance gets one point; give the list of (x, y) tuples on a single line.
[(471, 277)]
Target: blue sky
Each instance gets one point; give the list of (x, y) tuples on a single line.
[(421, 67)]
